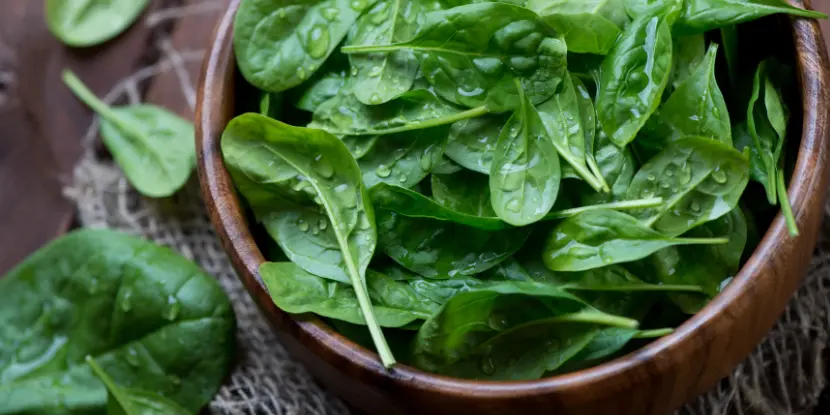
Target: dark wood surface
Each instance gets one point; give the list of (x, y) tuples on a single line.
[(653, 380)]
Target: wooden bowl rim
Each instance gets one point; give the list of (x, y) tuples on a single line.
[(229, 222)]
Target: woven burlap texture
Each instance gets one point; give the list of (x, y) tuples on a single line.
[(783, 376)]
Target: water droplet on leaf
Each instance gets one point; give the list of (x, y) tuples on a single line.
[(497, 321), (318, 41), (323, 167), (375, 99), (487, 366), (651, 178), (127, 301), (171, 311), (132, 357), (383, 171), (514, 205), (719, 176), (375, 72), (330, 13), (322, 224), (302, 225)]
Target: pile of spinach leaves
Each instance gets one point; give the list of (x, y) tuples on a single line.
[(504, 190)]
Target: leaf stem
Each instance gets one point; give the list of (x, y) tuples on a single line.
[(85, 95), (635, 288), (624, 205), (653, 334), (585, 173), (369, 49), (598, 318), (786, 208), (700, 241), (435, 122), (592, 165)]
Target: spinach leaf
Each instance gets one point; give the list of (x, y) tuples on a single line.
[(317, 163), (699, 16), (153, 146), (633, 77), (588, 123), (697, 107), (464, 192), (474, 54), (133, 401), (439, 249), (689, 52), (606, 343), (382, 77), (617, 167), (446, 166), (590, 26), (414, 110), (524, 175), (359, 145), (473, 140), (600, 238), (296, 291), (82, 23), (280, 45), (169, 327), (405, 158), (700, 180), (470, 319), (414, 205), (562, 118)]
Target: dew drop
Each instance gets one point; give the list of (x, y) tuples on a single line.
[(315, 230), (665, 185), (514, 132), (132, 357), (487, 366), (302, 225), (357, 5), (402, 178), (330, 13), (323, 167), (375, 99), (301, 73), (426, 162), (317, 41), (281, 13), (171, 311), (383, 171), (646, 194), (363, 221), (685, 175), (695, 206), (322, 224), (175, 380), (669, 173), (127, 301), (375, 72), (497, 321), (719, 176), (514, 205), (651, 178), (354, 71)]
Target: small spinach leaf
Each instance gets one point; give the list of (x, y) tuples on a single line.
[(524, 175), (403, 159), (588, 26), (600, 238), (82, 23), (699, 16), (472, 141), (153, 146)]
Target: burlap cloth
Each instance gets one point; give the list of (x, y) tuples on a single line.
[(783, 376)]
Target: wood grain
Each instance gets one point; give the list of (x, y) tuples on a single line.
[(653, 380)]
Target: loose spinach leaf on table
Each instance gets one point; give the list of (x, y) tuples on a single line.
[(278, 46), (600, 238), (700, 180), (525, 175), (472, 141), (633, 77), (133, 401), (699, 16), (169, 327), (474, 54), (82, 23), (294, 290), (267, 156), (153, 146), (589, 26), (381, 77)]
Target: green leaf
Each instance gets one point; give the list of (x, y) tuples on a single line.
[(524, 175), (323, 85), (688, 53), (464, 192), (471, 319), (280, 45), (588, 26), (473, 140), (414, 110), (296, 291), (267, 156), (381, 77), (600, 238), (404, 159), (474, 54), (633, 77), (270, 105), (154, 320), (700, 16), (83, 23), (153, 146), (133, 401), (414, 205), (700, 180), (617, 167), (440, 249)]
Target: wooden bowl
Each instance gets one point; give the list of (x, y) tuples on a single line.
[(652, 380)]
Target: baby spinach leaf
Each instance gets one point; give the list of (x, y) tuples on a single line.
[(82, 23), (446, 166), (464, 192), (322, 166), (699, 16), (562, 118), (404, 159), (588, 123), (133, 401), (633, 77), (153, 146), (381, 77), (359, 145), (280, 45), (439, 249), (700, 180), (414, 205), (588, 26), (414, 110), (473, 140), (169, 328), (600, 238), (524, 175), (617, 167), (296, 291), (469, 319), (441, 291), (697, 107), (473, 54)]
